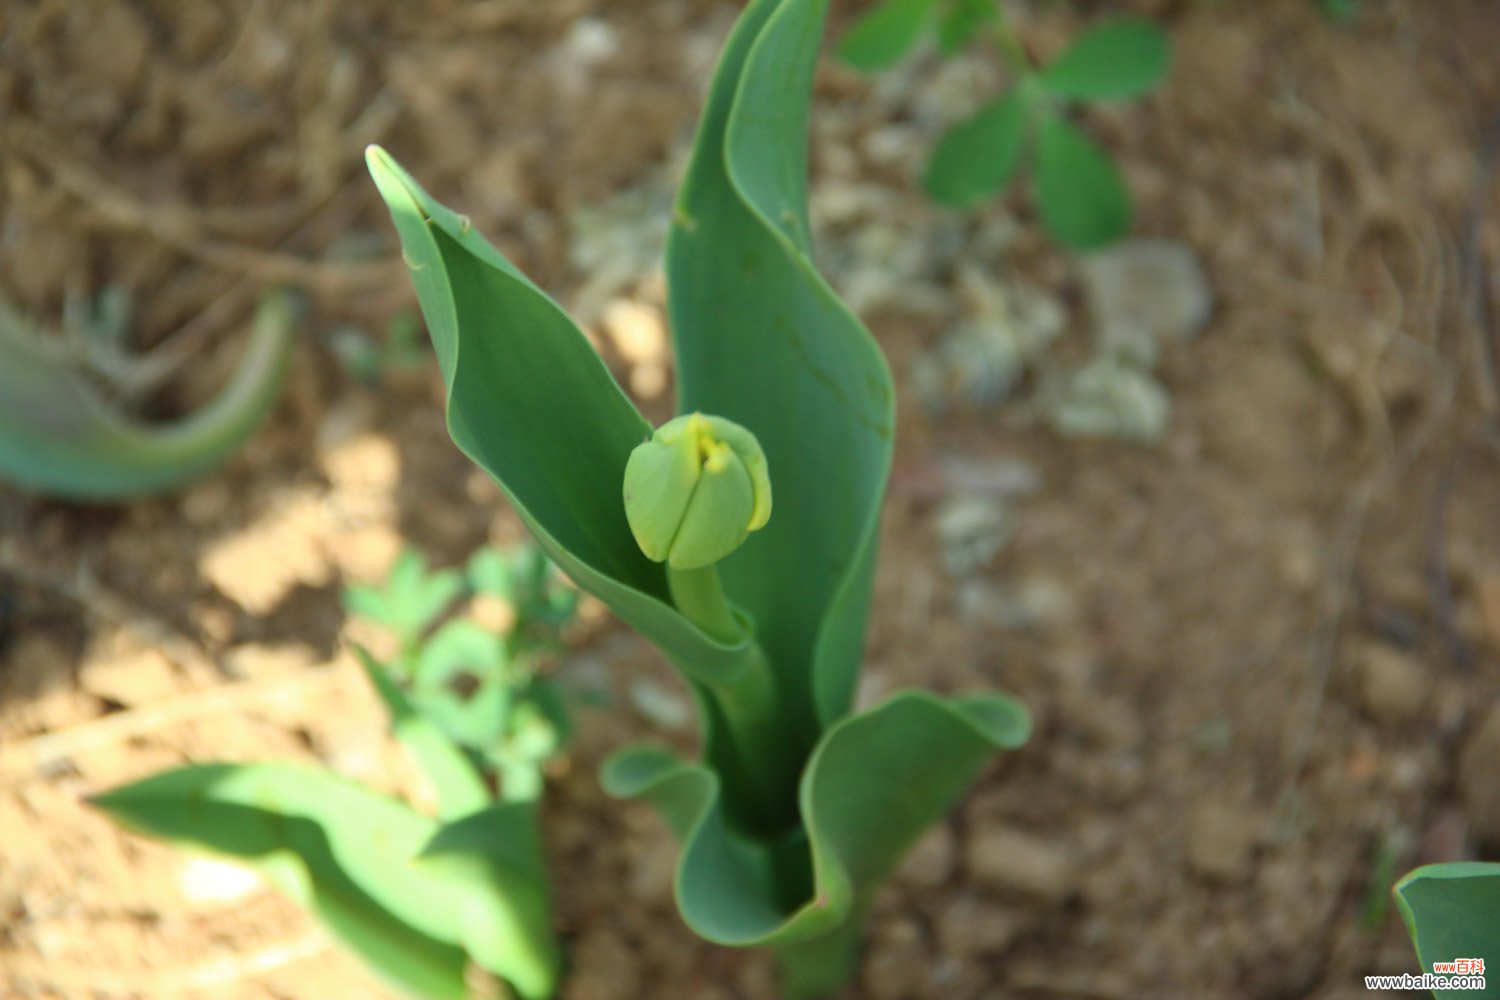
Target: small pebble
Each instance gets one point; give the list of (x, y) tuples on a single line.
[(1109, 398), (1010, 861), (970, 531), (896, 964), (971, 926), (1394, 687), (661, 706), (930, 863), (1145, 294), (209, 880), (1036, 604), (1221, 841)]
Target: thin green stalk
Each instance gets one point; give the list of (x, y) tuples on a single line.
[(824, 965), (699, 595), (747, 703)]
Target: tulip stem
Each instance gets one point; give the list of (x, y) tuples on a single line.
[(747, 704), (821, 966), (699, 595)]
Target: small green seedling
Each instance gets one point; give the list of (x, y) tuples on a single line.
[(798, 805), (486, 691), (418, 898), (58, 436), (408, 604), (1452, 912), (1080, 195)]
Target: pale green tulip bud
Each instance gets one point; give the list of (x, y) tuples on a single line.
[(696, 490)]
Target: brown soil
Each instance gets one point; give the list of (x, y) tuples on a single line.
[(1263, 650)]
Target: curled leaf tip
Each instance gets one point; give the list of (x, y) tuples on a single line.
[(695, 490)]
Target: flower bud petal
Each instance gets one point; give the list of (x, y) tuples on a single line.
[(660, 478), (748, 449), (696, 490), (718, 516)]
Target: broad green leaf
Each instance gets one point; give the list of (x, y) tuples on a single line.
[(341, 851), (883, 35), (962, 21), (976, 157), (506, 927), (58, 436), (1118, 59), (528, 399), (459, 787), (1452, 911), (532, 404), (1081, 196), (762, 340), (874, 783), (358, 862)]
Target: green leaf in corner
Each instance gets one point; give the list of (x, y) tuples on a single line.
[(976, 157), (1112, 61), (379, 876), (1452, 911), (341, 851), (881, 37), (495, 857), (1081, 196)]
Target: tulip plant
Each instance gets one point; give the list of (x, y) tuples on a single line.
[(798, 805)]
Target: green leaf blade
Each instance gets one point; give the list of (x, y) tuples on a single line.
[(876, 780), (1081, 196), (507, 927), (532, 404), (762, 340), (1118, 59), (529, 399), (976, 157), (339, 850), (883, 36), (1452, 911)]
